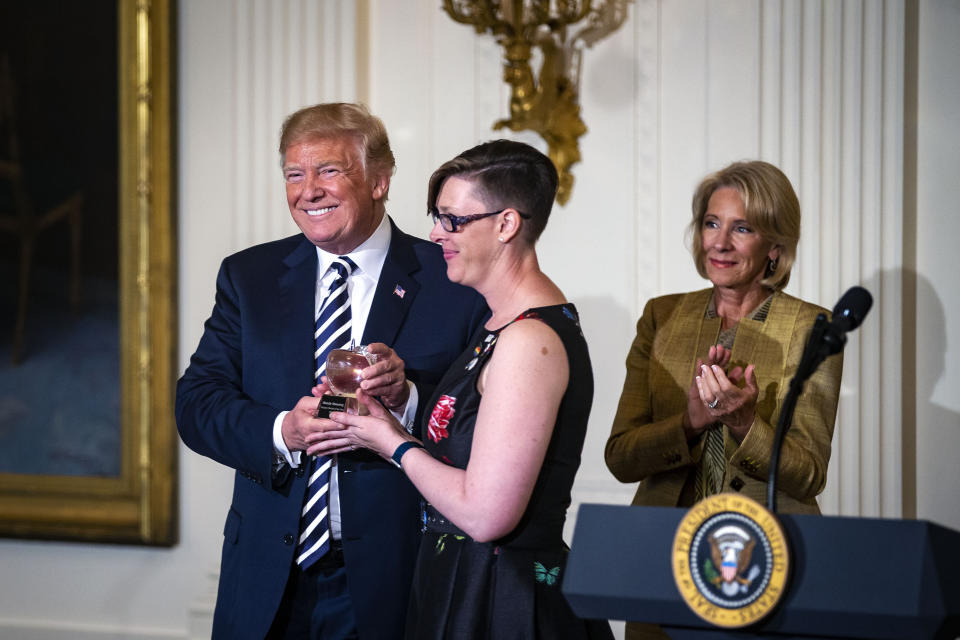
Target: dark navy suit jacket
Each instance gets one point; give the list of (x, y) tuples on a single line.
[(255, 359)]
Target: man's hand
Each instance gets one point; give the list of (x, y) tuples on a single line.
[(386, 379), (301, 422)]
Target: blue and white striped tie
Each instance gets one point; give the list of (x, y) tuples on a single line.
[(332, 332)]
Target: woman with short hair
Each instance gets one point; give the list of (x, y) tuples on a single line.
[(506, 424)]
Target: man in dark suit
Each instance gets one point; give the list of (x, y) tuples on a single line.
[(245, 399)]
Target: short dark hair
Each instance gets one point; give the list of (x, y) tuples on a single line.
[(504, 173), (770, 206), (332, 119)]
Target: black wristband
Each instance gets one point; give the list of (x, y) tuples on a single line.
[(402, 449)]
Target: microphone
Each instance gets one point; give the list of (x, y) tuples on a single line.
[(852, 308), (826, 338), (848, 313)]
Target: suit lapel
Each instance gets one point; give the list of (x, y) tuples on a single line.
[(693, 329), (762, 343), (749, 332), (396, 290), (765, 345), (709, 328), (297, 292)]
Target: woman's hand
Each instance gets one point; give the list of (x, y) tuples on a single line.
[(698, 417), (726, 402), (379, 431)]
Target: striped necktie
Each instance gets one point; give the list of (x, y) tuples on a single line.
[(332, 332)]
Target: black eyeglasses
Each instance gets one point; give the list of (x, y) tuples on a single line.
[(452, 223)]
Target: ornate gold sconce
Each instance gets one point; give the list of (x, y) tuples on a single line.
[(548, 103)]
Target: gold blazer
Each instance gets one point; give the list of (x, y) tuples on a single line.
[(647, 442)]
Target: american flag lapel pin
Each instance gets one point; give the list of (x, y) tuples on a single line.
[(399, 291)]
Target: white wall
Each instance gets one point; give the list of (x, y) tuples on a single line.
[(682, 88), (938, 295)]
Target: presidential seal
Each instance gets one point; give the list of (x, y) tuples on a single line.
[(730, 560)]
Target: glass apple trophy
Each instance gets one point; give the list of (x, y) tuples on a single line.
[(344, 367)]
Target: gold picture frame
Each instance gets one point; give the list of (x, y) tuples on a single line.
[(139, 505)]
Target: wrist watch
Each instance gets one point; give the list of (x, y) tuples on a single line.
[(402, 449)]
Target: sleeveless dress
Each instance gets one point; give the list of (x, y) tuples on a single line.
[(509, 588)]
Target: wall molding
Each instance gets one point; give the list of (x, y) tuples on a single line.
[(830, 90), (279, 64), (46, 630), (646, 37)]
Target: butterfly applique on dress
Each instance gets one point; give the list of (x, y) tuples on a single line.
[(544, 575)]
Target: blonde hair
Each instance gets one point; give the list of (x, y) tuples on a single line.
[(770, 205), (334, 119)]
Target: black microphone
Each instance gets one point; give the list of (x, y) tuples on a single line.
[(848, 313), (826, 339), (852, 308)]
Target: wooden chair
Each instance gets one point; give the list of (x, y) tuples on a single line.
[(19, 215)]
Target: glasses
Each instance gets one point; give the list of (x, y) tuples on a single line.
[(453, 223)]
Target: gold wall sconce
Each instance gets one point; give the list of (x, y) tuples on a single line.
[(548, 103)]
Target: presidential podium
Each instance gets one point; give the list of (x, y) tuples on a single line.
[(848, 577)]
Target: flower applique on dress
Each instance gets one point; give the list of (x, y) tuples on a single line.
[(440, 417)]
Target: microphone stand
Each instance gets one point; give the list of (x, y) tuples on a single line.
[(825, 339)]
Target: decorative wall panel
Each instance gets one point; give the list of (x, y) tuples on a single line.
[(285, 55)]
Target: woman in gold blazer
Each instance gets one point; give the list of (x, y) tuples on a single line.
[(708, 370)]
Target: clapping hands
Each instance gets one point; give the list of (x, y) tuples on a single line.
[(715, 395)]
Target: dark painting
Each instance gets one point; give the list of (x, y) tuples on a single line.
[(88, 264), (59, 316)]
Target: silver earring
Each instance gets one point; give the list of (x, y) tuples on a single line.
[(500, 238)]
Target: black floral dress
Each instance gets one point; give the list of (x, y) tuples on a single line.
[(509, 588)]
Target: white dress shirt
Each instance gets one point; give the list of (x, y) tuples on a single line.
[(361, 285)]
